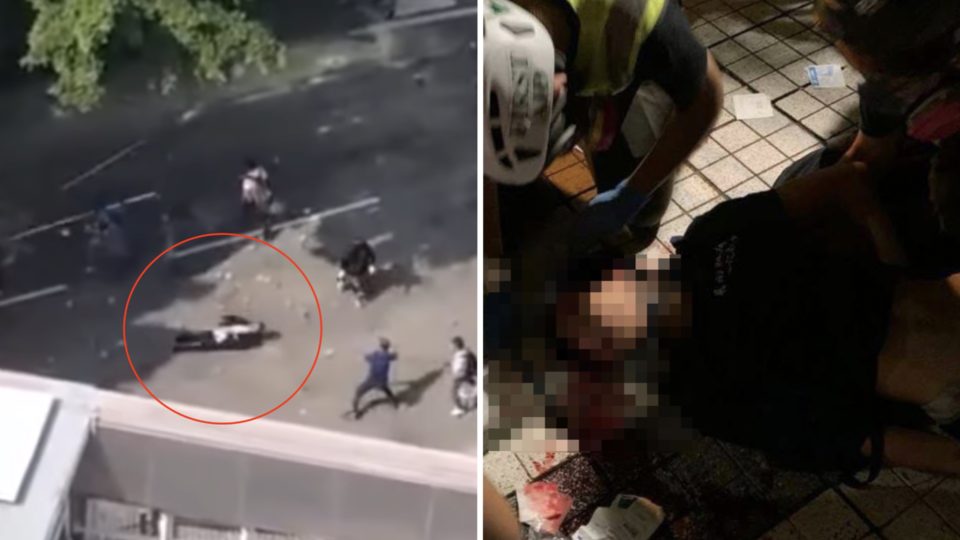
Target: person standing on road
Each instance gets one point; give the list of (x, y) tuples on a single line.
[(464, 368), (378, 376), (256, 194), (625, 79)]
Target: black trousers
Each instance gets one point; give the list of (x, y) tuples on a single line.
[(369, 385)]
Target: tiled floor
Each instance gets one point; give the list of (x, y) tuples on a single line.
[(719, 490)]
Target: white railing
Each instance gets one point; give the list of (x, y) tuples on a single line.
[(266, 474)]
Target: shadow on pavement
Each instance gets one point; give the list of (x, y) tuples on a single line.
[(411, 394)]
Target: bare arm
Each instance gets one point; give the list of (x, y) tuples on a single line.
[(681, 134), (843, 197), (499, 521)]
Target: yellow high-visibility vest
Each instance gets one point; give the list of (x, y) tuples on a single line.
[(610, 37)]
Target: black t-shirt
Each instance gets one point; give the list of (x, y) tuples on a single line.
[(782, 334), (881, 113)]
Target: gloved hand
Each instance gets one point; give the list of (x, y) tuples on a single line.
[(607, 213)]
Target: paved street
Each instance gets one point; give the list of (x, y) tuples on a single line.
[(381, 147)]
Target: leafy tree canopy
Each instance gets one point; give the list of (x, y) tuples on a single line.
[(71, 38)]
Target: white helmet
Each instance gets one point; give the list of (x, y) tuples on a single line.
[(521, 127)]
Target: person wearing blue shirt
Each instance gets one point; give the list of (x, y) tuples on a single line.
[(378, 376)]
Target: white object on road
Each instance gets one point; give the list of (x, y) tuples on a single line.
[(752, 106), (628, 518), (826, 76), (33, 295)]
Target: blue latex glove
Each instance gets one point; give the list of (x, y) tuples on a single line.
[(609, 212)]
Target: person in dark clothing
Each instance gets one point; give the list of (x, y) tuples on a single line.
[(626, 80), (360, 260), (781, 325), (233, 332), (909, 55), (378, 376), (355, 268)]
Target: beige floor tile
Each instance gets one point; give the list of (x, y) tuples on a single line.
[(683, 171), (728, 52), (673, 211), (733, 24), (773, 85), (760, 156), (749, 69), (849, 108), (769, 176), (760, 12), (766, 126), (826, 123), (723, 119), (828, 55), (693, 192), (783, 27), (708, 34), (727, 173), (886, 497), (919, 523), (755, 40), (730, 84), (792, 140), (805, 15), (829, 517), (677, 227), (921, 482), (713, 9), (799, 105), (707, 153), (778, 55), (806, 42), (787, 5), (753, 185), (945, 500), (734, 136), (828, 96), (706, 207), (504, 471), (796, 71)]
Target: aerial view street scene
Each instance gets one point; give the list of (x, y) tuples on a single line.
[(336, 186)]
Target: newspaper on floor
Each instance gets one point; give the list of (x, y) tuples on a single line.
[(826, 76), (628, 518), (752, 106)]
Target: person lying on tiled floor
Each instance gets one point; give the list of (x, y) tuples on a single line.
[(631, 85), (776, 340)]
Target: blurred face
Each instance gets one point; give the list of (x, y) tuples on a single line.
[(609, 322)]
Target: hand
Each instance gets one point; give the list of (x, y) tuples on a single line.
[(609, 212)]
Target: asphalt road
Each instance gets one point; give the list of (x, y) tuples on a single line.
[(395, 137)]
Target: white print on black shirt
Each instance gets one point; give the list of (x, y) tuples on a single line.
[(723, 265)]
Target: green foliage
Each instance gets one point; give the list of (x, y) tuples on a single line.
[(70, 37)]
